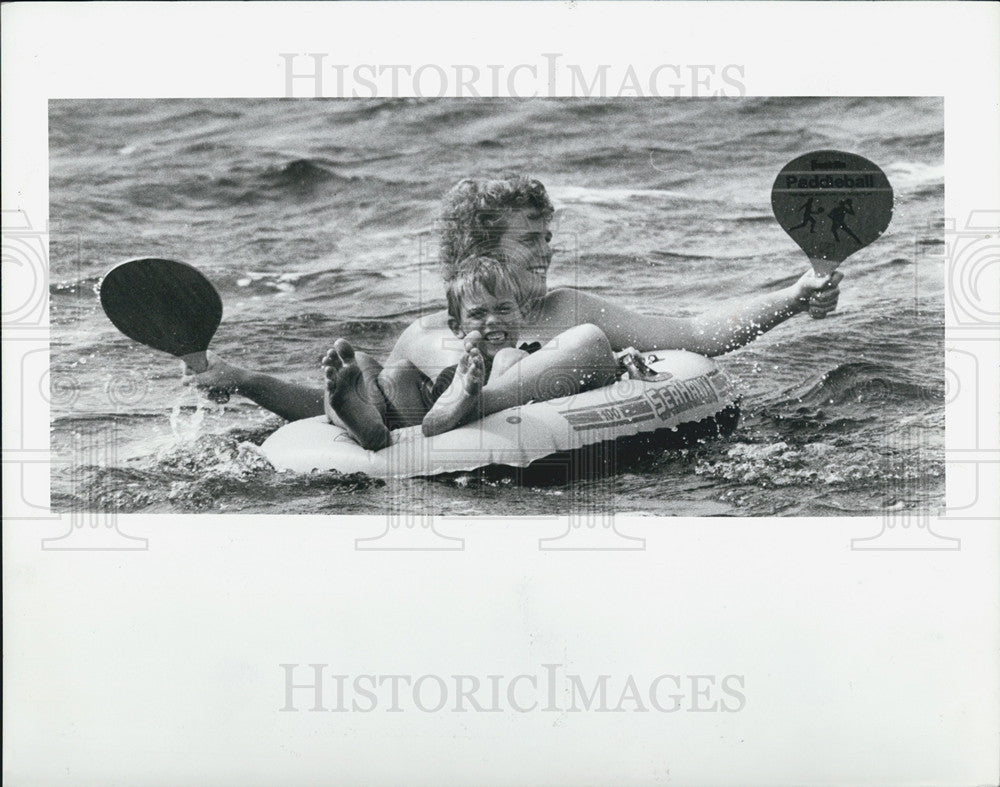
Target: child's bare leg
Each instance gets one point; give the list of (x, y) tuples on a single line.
[(402, 385), (352, 398), (505, 359), (578, 359), (460, 403)]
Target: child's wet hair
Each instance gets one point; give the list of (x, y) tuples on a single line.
[(475, 213), (478, 273)]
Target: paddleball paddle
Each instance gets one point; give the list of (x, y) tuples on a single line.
[(832, 204), (167, 305)]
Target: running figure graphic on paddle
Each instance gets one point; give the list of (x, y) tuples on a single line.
[(844, 208), (807, 216)]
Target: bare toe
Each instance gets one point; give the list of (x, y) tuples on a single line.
[(331, 359), (344, 351), (471, 340)]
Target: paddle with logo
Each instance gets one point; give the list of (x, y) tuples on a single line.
[(832, 204), (167, 305)]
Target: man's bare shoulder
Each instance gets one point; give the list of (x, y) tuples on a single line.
[(416, 334), (560, 299), (433, 322)]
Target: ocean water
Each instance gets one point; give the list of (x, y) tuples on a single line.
[(316, 219)]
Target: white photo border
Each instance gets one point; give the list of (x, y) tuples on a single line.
[(157, 660)]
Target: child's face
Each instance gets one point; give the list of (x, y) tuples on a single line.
[(497, 317)]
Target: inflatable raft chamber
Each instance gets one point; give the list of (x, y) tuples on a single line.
[(690, 399)]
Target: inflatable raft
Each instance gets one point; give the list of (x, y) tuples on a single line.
[(690, 399)]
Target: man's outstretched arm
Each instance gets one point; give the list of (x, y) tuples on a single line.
[(289, 400), (731, 327), (715, 333)]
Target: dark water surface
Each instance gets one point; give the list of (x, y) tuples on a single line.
[(316, 219)]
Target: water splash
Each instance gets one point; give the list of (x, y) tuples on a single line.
[(186, 424)]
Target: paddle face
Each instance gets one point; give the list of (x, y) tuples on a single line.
[(832, 203), (163, 304)]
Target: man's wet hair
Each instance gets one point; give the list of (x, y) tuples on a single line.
[(476, 211), (477, 273)]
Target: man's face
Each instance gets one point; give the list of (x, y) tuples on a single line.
[(526, 241), (496, 317)]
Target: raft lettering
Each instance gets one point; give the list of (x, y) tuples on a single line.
[(678, 397), (629, 411)]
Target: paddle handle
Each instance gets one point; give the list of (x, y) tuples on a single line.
[(823, 268), (198, 363)]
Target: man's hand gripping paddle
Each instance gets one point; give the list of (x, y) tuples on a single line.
[(831, 203), (167, 305)]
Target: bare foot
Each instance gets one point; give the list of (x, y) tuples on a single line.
[(347, 402), (460, 403)]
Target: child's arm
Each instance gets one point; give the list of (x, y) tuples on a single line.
[(460, 402)]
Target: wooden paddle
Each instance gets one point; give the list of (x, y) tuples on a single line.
[(167, 305), (832, 204)]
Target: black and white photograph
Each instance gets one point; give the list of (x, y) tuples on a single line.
[(717, 306), (501, 393)]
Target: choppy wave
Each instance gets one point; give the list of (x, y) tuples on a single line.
[(213, 472), (857, 382), (610, 197), (913, 175)]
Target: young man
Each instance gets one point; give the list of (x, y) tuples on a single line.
[(508, 216)]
